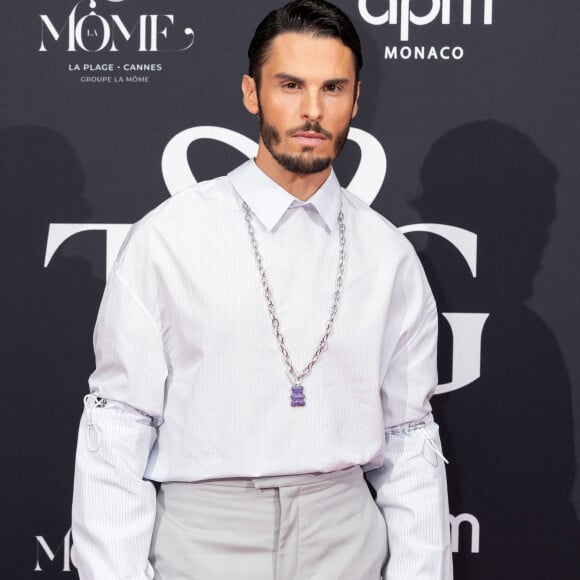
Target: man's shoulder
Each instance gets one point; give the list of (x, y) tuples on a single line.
[(375, 226), (194, 210), (210, 195)]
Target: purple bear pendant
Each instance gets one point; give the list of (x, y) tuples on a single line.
[(297, 397)]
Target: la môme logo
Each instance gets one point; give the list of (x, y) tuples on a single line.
[(92, 28)]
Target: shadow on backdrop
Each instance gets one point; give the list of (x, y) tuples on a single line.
[(509, 435), (46, 356)]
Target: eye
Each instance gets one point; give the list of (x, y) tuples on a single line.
[(290, 85), (332, 88)]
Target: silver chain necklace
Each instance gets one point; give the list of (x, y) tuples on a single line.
[(297, 397)]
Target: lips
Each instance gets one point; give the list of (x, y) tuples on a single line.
[(309, 137)]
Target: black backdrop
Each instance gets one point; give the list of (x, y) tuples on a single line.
[(467, 134)]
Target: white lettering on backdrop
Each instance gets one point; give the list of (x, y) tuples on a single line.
[(466, 327)]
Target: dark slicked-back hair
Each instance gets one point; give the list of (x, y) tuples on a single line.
[(315, 17)]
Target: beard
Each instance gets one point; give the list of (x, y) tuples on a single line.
[(304, 163)]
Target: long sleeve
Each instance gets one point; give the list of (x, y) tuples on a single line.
[(113, 509), (411, 485)]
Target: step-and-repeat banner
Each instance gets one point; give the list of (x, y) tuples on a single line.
[(467, 139)]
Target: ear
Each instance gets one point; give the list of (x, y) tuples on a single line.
[(250, 94), (355, 105)]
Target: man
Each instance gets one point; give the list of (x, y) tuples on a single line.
[(264, 336)]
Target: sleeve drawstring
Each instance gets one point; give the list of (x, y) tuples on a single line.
[(92, 402), (421, 427)]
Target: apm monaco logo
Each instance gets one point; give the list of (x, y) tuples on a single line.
[(86, 29), (402, 15)]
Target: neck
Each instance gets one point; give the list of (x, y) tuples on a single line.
[(301, 186)]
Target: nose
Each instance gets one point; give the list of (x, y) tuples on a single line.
[(312, 105)]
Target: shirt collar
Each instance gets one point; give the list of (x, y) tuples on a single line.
[(269, 201)]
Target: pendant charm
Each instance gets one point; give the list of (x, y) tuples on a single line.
[(297, 397)]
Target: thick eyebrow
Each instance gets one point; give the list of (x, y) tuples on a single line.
[(340, 81), (288, 77)]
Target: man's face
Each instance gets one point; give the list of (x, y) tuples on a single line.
[(306, 100)]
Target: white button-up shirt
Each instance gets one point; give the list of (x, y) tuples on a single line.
[(196, 387)]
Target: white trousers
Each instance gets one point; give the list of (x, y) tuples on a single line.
[(300, 527)]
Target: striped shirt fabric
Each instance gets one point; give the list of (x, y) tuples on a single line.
[(190, 383)]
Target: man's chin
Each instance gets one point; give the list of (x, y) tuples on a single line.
[(302, 164)]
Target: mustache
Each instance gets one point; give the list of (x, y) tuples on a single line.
[(308, 126)]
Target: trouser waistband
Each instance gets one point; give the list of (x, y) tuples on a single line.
[(303, 479)]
